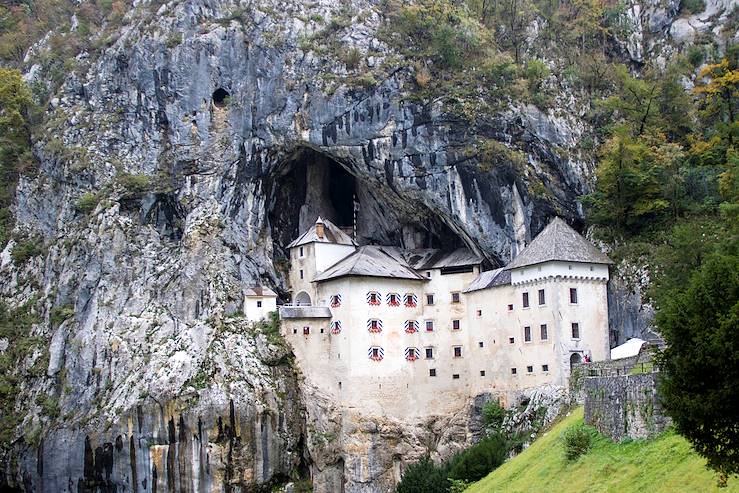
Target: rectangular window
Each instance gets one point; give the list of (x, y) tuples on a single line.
[(432, 372), (481, 344), (455, 297), (259, 304), (295, 331), (455, 376), (511, 340), (573, 295), (306, 331), (429, 299), (428, 274), (373, 298), (544, 335), (544, 367), (527, 334), (429, 353), (393, 300), (479, 313), (455, 324), (530, 369), (525, 300), (375, 353), (510, 308), (542, 299), (301, 273), (457, 351), (575, 330), (301, 251), (513, 371), (482, 373), (374, 325), (429, 325)]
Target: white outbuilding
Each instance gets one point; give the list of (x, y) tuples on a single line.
[(258, 302)]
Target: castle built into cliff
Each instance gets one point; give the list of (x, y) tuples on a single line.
[(412, 333)]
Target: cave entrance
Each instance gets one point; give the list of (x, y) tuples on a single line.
[(220, 97), (309, 184)]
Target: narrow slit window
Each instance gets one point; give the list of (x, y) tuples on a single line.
[(542, 298), (575, 330), (573, 296), (544, 334), (527, 334), (525, 299)]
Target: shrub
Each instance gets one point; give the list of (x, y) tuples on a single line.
[(134, 186), (694, 6), (59, 314), (24, 250), (87, 203), (424, 477), (351, 58), (577, 440), (493, 415), (477, 461)]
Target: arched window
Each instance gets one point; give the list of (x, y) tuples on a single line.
[(412, 353), (411, 326), (374, 325), (302, 299), (393, 299), (336, 327), (373, 298), (410, 300), (376, 353), (335, 300)]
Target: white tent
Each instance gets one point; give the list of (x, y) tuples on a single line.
[(627, 349)]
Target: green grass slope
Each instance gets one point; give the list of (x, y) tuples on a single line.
[(664, 464)]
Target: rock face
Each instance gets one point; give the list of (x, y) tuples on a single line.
[(207, 132)]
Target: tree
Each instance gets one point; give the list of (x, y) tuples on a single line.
[(476, 462), (423, 477), (636, 101), (700, 366), (720, 95)]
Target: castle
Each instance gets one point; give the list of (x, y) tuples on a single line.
[(412, 333)]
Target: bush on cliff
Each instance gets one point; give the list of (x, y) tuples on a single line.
[(424, 477)]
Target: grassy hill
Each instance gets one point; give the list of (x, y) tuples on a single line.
[(664, 464)]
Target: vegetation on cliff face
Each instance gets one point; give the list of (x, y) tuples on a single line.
[(663, 464)]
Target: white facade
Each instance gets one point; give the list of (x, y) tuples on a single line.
[(383, 354), (259, 302)]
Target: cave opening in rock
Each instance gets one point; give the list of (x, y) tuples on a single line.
[(309, 184), (220, 97)]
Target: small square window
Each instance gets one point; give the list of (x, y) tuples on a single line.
[(295, 331), (510, 308), (544, 334), (511, 340), (525, 300), (455, 376), (428, 274), (544, 367), (259, 304), (301, 273), (429, 353), (457, 351), (455, 297), (573, 296), (321, 330), (455, 324), (482, 344), (479, 313), (542, 298), (429, 299), (575, 330), (513, 371), (530, 369), (527, 334), (432, 372), (482, 373), (429, 325)]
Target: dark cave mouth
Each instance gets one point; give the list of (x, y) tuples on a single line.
[(309, 184), (220, 97)]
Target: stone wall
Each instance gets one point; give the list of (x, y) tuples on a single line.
[(625, 406)]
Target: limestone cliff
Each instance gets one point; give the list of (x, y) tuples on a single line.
[(203, 134)]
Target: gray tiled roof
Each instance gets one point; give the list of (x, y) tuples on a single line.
[(558, 241), (489, 279), (259, 291), (372, 261), (305, 312), (331, 234)]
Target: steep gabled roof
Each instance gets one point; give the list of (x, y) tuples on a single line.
[(331, 234), (558, 241), (490, 279), (371, 261)]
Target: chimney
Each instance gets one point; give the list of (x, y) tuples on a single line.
[(319, 228)]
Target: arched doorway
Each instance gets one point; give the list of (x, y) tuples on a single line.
[(303, 299), (575, 359)]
